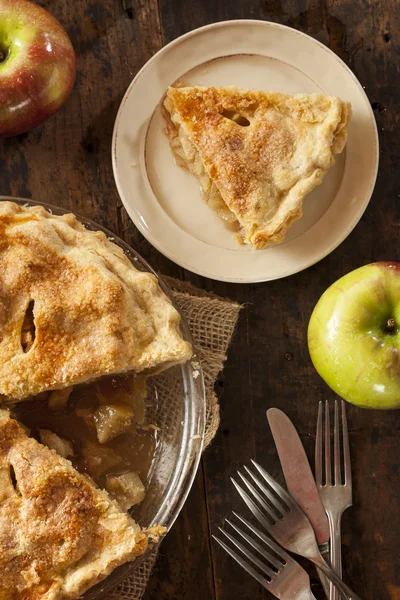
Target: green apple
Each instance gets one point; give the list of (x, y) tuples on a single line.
[(354, 336)]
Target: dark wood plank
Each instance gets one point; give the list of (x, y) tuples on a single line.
[(184, 567)]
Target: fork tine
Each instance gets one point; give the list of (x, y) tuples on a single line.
[(328, 468), (266, 491), (278, 489), (274, 516), (346, 447), (248, 554), (336, 446), (318, 446), (264, 582), (252, 506), (270, 558), (267, 540)]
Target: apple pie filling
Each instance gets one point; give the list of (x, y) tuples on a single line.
[(186, 156), (99, 428)]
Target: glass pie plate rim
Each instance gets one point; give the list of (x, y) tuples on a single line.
[(185, 468)]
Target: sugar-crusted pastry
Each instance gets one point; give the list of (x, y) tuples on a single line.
[(74, 308), (256, 154), (59, 535)]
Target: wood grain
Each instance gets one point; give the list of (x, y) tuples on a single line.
[(66, 161)]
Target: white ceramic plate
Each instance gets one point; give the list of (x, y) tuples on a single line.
[(164, 200)]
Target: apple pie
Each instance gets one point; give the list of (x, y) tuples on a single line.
[(73, 307), (59, 534), (256, 154)]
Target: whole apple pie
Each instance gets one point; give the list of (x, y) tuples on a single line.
[(81, 330), (256, 154)]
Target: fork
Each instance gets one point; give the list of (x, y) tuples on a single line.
[(336, 496), (285, 578), (286, 522)]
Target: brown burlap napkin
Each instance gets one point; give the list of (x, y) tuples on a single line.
[(212, 321)]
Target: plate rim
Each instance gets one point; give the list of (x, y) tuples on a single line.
[(176, 258)]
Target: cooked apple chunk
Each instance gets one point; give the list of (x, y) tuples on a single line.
[(96, 460), (130, 390), (126, 489), (53, 441), (112, 419)]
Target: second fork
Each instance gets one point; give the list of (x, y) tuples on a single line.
[(277, 572), (282, 517)]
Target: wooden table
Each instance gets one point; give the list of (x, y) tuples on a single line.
[(67, 162)]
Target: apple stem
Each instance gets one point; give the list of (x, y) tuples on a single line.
[(391, 325), (4, 52)]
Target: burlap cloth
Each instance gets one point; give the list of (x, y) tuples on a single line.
[(212, 321)]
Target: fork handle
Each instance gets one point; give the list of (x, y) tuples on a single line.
[(326, 585), (336, 551), (344, 589)]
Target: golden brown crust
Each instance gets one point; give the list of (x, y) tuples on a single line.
[(261, 171), (94, 313), (58, 534)]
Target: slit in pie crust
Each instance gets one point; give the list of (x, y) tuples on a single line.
[(256, 154)]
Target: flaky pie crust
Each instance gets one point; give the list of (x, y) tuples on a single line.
[(263, 171), (59, 535), (94, 313)]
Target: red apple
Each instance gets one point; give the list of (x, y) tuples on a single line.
[(37, 66)]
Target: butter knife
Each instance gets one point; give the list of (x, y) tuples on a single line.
[(299, 479)]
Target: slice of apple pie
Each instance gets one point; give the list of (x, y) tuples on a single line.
[(59, 535), (73, 307), (256, 154)]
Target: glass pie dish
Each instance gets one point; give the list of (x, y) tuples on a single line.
[(174, 409)]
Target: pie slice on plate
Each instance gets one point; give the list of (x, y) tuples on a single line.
[(73, 307), (59, 535), (256, 154)]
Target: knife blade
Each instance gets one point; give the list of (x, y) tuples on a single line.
[(300, 480), (296, 469)]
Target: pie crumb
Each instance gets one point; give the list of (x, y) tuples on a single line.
[(53, 441), (151, 426), (127, 489)]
